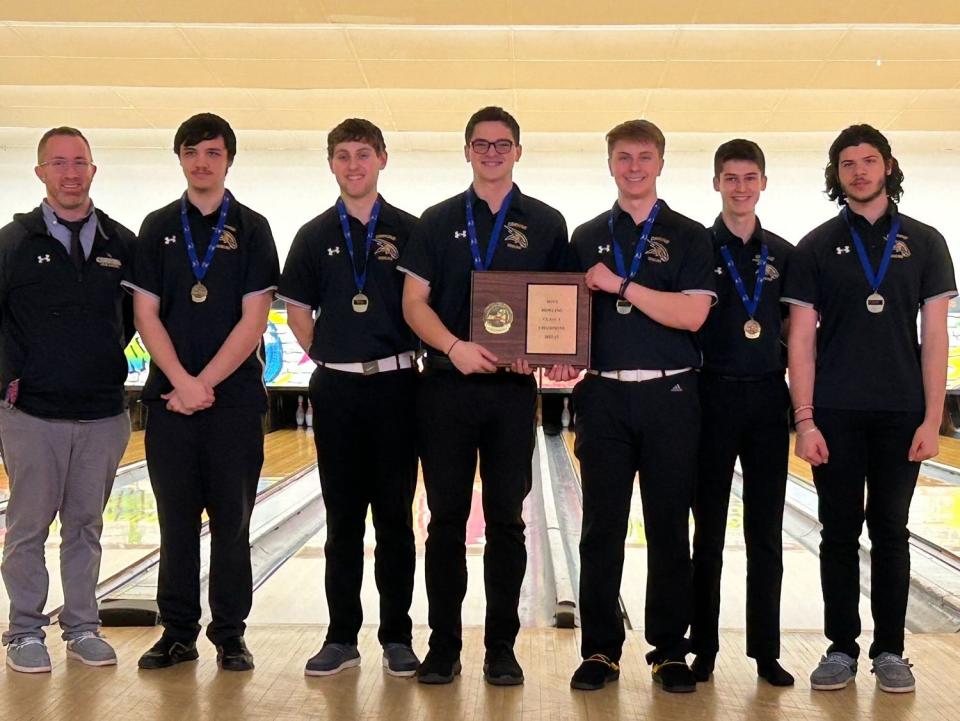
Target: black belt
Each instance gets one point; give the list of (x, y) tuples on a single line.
[(438, 363), (743, 379)]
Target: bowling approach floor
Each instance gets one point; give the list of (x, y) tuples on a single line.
[(288, 622), (277, 688)]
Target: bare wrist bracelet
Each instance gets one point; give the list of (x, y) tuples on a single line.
[(452, 345), (809, 430)]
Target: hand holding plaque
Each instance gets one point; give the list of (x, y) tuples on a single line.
[(542, 318)]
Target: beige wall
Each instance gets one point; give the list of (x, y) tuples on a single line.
[(289, 184)]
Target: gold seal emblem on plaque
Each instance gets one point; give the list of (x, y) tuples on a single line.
[(497, 318)]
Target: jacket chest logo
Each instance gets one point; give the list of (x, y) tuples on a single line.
[(841, 249), (169, 240), (457, 234), (109, 262), (335, 250), (45, 258)]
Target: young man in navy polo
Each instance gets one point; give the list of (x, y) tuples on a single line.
[(867, 397), (637, 409), (64, 321), (206, 268), (342, 264), (465, 407), (744, 405)]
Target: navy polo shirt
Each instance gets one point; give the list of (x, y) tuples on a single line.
[(244, 263), (318, 275), (678, 258), (726, 350), (869, 361), (62, 334), (534, 238)]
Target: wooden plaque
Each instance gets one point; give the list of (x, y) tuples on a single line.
[(543, 318)]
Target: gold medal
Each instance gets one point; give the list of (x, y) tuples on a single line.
[(624, 306), (360, 303), (198, 293), (751, 329), (875, 303)]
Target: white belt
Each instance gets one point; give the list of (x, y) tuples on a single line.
[(381, 365), (638, 376)]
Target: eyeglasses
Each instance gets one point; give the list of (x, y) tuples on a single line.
[(61, 164), (482, 147)]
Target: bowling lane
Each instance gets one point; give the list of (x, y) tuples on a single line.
[(130, 529), (801, 604), (935, 510), (295, 593)]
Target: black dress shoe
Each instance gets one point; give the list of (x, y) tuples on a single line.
[(595, 673), (702, 666), (233, 655), (500, 667), (674, 676), (438, 668), (773, 673), (168, 652)]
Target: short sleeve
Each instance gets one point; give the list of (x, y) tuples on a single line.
[(147, 274), (300, 280), (263, 265), (938, 280), (696, 272), (419, 256), (800, 285)]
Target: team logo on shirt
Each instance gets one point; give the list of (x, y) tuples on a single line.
[(657, 249), (335, 250), (771, 273), (228, 239), (457, 234), (601, 249), (901, 251), (516, 240), (43, 258), (386, 247), (109, 262), (169, 239), (841, 249)]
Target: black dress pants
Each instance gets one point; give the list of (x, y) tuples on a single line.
[(461, 418), (211, 461), (367, 458), (746, 419), (622, 428), (866, 448)]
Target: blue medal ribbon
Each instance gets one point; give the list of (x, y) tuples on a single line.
[(641, 243), (749, 303), (359, 279), (478, 262), (200, 269), (874, 279)]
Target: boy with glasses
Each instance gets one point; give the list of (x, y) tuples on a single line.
[(465, 406)]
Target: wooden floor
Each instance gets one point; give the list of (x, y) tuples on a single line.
[(277, 688)]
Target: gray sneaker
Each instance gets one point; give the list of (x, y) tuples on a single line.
[(893, 673), (835, 671), (92, 649), (28, 655), (399, 659), (333, 658)]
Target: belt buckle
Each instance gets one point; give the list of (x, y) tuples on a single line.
[(370, 367)]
